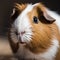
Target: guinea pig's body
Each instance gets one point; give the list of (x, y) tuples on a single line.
[(35, 32)]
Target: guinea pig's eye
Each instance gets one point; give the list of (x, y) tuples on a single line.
[(35, 19)]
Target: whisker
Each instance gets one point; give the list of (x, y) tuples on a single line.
[(28, 37), (28, 33)]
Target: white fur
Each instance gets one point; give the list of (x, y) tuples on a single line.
[(55, 16), (22, 24)]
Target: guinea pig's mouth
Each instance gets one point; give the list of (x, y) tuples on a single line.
[(20, 41)]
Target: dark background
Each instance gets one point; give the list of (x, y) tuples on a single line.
[(6, 9)]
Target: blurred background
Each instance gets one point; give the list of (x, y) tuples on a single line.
[(5, 11)]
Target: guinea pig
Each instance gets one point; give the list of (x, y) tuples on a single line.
[(34, 32)]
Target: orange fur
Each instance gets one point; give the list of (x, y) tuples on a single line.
[(20, 7)]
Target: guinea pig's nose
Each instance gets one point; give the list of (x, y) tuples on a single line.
[(22, 32)]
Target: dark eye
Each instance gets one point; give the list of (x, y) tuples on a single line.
[(35, 19)]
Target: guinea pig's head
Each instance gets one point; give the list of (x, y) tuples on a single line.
[(33, 25)]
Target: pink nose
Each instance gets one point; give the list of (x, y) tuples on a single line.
[(22, 32)]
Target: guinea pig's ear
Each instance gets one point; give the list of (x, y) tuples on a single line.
[(44, 14), (18, 8), (15, 11)]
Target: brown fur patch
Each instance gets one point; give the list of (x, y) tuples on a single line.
[(41, 7), (20, 7), (43, 33)]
